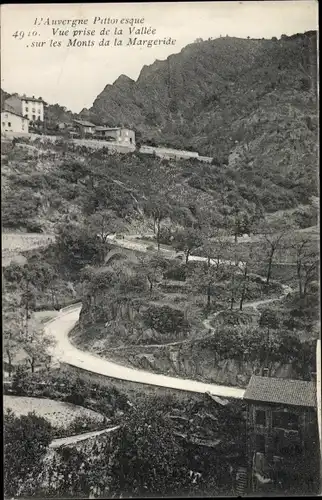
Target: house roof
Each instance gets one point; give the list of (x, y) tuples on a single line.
[(107, 129), (34, 99), (112, 128), (84, 123), (278, 390), (13, 112)]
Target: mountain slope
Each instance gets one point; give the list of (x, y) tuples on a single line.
[(251, 104), (199, 96)]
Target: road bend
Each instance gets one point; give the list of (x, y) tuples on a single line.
[(65, 351)]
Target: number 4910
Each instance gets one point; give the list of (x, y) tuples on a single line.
[(19, 35)]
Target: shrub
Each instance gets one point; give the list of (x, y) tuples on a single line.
[(176, 273), (82, 424), (26, 439), (20, 381), (254, 345), (215, 161), (165, 320)]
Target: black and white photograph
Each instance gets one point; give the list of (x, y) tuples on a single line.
[(160, 250)]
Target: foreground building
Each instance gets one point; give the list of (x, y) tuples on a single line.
[(11, 121), (282, 436)]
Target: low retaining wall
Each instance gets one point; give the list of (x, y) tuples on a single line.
[(206, 159), (131, 389), (113, 147), (168, 152), (13, 135)]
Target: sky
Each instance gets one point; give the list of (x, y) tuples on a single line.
[(74, 76)]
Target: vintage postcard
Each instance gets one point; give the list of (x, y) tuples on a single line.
[(160, 255)]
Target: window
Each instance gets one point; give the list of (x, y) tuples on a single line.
[(39, 111), (34, 117), (3, 123), (285, 420), (260, 417), (22, 126), (34, 110), (260, 443), (9, 124), (6, 115), (27, 109)]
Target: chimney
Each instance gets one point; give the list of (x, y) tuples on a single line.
[(265, 372), (33, 96)]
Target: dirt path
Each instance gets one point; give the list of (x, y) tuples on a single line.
[(251, 304), (57, 443)]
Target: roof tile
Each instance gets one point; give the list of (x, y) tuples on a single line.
[(279, 390)]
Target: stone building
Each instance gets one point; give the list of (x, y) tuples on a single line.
[(84, 128), (282, 435)]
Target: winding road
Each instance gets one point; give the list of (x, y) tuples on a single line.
[(64, 351)]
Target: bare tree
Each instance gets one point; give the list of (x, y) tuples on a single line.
[(187, 240), (157, 208), (246, 259), (104, 223), (11, 330), (307, 261), (274, 239), (152, 268), (36, 343), (234, 284)]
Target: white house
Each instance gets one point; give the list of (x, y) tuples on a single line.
[(13, 122), (116, 134), (32, 108)]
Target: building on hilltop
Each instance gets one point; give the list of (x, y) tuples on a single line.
[(282, 435), (116, 134), (84, 127), (11, 121), (32, 108)]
